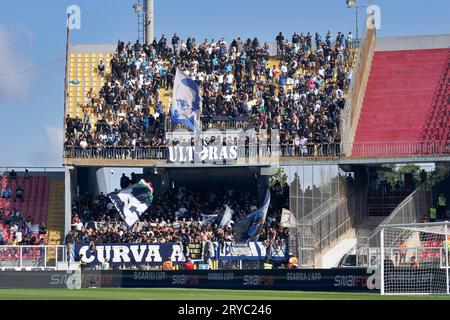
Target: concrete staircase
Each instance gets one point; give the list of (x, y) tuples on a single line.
[(55, 218)]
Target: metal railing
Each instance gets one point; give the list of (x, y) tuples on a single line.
[(217, 122), (325, 228), (31, 170), (325, 150), (410, 210), (32, 256), (411, 148), (116, 153)]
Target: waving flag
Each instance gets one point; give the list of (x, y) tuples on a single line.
[(287, 219), (186, 101), (132, 201), (249, 228), (210, 218), (227, 215)]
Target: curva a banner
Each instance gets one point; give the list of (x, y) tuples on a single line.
[(130, 253)]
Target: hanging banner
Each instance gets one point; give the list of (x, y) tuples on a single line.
[(249, 251), (130, 253)]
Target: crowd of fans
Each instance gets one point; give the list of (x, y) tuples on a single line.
[(301, 94), (179, 215), (16, 228)]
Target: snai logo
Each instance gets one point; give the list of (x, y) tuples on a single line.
[(185, 280), (370, 282), (255, 280)]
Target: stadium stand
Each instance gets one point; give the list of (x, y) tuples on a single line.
[(301, 91), (180, 215), (42, 205), (34, 204), (405, 109)]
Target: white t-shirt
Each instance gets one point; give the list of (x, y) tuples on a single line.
[(249, 106), (303, 141), (321, 72), (19, 236), (79, 226), (230, 78), (228, 97), (83, 144)]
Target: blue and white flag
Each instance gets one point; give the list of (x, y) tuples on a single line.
[(186, 101), (209, 218), (227, 215), (249, 228), (132, 201), (74, 82)]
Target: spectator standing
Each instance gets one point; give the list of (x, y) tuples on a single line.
[(280, 44), (133, 178), (402, 250), (101, 68), (442, 206), (19, 194), (12, 175), (432, 213), (6, 192), (167, 265), (423, 176), (124, 181), (175, 43), (189, 265), (292, 262)]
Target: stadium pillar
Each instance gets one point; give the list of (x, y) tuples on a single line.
[(446, 258), (69, 171), (382, 260), (150, 22)]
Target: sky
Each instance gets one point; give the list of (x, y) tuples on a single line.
[(32, 48)]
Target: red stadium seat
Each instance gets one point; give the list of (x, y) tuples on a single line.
[(408, 128)]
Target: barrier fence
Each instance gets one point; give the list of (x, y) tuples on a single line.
[(32, 256), (410, 210), (334, 280), (326, 150)]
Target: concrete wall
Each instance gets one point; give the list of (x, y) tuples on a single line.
[(413, 42)]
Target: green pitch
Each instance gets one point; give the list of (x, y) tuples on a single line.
[(190, 294)]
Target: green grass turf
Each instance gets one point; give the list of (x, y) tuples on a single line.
[(190, 294)]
